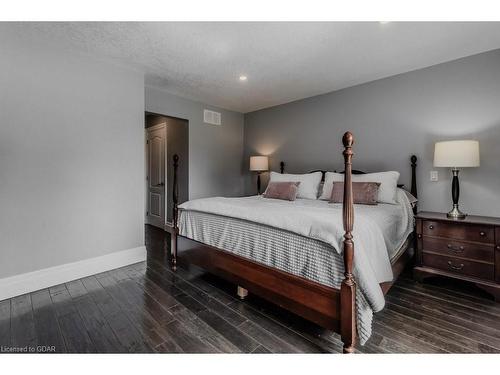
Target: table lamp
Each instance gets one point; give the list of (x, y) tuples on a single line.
[(455, 155), (259, 164)]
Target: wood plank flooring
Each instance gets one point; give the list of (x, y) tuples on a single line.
[(146, 308)]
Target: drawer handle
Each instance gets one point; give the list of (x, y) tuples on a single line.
[(453, 267), (456, 249), (482, 234), (431, 227)]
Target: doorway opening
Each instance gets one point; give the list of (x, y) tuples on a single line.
[(165, 136)]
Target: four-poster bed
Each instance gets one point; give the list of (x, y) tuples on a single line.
[(329, 307)]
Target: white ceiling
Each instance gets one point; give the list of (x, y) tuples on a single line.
[(283, 61)]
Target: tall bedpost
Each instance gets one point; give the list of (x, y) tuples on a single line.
[(348, 287), (175, 212), (282, 167), (413, 188)]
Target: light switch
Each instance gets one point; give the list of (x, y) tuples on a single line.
[(434, 175)]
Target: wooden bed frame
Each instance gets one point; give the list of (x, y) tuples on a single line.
[(331, 308)]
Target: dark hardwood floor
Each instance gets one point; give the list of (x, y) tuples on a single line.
[(145, 308)]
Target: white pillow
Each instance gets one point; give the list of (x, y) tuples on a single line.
[(309, 182), (387, 190), (330, 177)]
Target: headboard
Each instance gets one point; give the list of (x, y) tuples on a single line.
[(323, 172)]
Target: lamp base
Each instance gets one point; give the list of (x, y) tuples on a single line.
[(455, 213)]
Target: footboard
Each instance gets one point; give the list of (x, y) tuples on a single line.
[(315, 302)]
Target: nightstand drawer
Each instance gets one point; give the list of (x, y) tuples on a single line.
[(478, 233), (453, 248), (460, 266)]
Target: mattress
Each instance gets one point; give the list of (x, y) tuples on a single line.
[(301, 255)]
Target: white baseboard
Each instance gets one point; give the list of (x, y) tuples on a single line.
[(47, 277)]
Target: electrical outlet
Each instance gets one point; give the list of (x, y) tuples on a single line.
[(434, 175)]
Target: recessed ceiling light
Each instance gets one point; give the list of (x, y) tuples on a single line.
[(384, 22), (243, 78)]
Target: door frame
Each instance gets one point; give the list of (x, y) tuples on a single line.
[(168, 164), (146, 170)]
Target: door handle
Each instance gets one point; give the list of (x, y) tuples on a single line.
[(456, 249), (160, 184), (454, 267)]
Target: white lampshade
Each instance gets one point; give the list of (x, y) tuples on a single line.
[(259, 163), (456, 154)]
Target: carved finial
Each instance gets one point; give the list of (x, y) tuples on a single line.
[(413, 160), (282, 167), (348, 139), (176, 159)]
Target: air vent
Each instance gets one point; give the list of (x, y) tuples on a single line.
[(211, 117)]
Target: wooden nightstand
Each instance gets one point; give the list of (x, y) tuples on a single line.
[(466, 249)]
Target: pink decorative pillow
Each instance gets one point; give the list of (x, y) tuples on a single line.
[(362, 192), (282, 190)]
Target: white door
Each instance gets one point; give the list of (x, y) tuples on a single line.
[(155, 150)]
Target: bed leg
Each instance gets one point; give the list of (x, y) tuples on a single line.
[(242, 293), (348, 315), (348, 298)]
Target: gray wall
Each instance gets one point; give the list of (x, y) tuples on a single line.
[(71, 158), (391, 119), (215, 152)]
